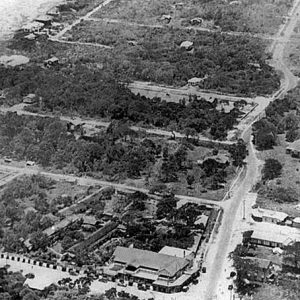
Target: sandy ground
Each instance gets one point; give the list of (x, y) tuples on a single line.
[(15, 13)]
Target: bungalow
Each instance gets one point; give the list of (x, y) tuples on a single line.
[(30, 99), (187, 45), (30, 37), (294, 149), (53, 61), (45, 19), (270, 216)]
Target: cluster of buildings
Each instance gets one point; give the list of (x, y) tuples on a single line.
[(266, 231), (43, 24), (168, 271)]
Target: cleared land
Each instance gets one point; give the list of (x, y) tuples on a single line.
[(259, 16), (289, 179)]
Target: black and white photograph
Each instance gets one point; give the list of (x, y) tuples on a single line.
[(149, 149)]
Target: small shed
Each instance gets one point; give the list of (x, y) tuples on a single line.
[(53, 61), (187, 45)]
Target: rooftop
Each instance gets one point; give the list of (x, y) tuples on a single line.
[(295, 146), (259, 213), (163, 263), (173, 251), (296, 220), (275, 233), (60, 225), (260, 262)]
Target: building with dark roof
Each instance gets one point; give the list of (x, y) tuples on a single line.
[(166, 273)]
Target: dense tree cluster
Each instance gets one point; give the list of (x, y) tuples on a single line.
[(158, 57), (47, 142), (281, 117), (272, 169), (90, 93)]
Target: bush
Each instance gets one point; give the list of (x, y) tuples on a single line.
[(272, 169)]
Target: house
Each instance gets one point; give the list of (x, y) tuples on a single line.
[(270, 216), (33, 27), (296, 222), (166, 273), (45, 19), (30, 163), (30, 37), (202, 219), (53, 61), (54, 11), (30, 99), (187, 45), (196, 21), (166, 18), (195, 81), (262, 270), (89, 221), (294, 149)]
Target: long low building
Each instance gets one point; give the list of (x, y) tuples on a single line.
[(163, 272), (269, 216), (272, 235)]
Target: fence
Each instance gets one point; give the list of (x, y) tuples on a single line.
[(26, 260)]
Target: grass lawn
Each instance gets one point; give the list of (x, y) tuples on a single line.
[(290, 178), (263, 16)]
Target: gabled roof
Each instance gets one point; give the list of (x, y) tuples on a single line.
[(260, 262), (295, 146), (162, 263), (260, 213), (173, 251)]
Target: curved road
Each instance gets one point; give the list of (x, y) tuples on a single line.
[(219, 252)]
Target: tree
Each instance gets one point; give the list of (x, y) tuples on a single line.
[(190, 179), (272, 169), (39, 241)]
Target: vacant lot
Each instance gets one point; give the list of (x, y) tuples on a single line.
[(230, 64), (259, 16), (290, 178)]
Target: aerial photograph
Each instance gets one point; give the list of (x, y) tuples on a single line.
[(149, 149)]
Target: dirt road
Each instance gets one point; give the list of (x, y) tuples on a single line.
[(219, 252)]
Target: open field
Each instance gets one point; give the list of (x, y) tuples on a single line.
[(157, 55), (260, 16)]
